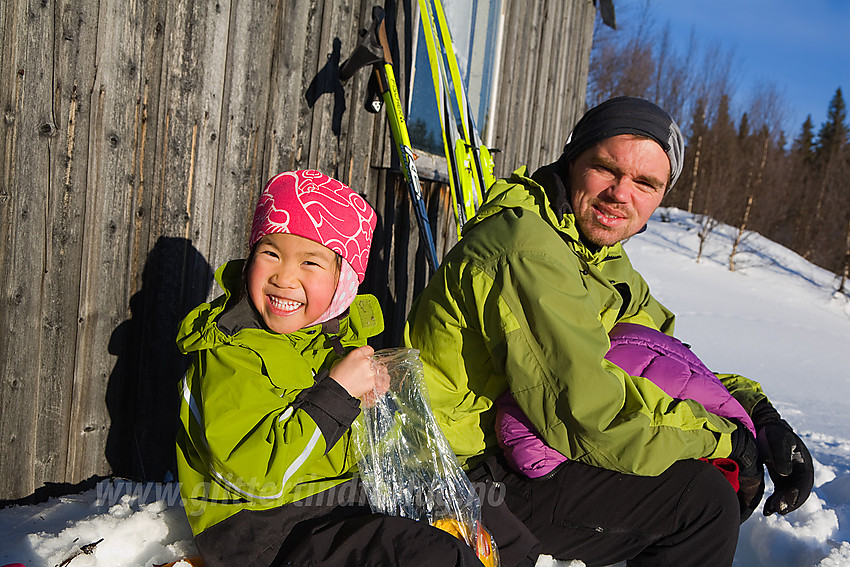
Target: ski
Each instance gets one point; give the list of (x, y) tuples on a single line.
[(469, 161), (374, 50), (480, 153), (463, 206), (482, 160)]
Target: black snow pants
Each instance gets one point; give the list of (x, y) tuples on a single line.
[(335, 528), (689, 515)]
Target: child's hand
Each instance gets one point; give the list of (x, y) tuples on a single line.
[(361, 376), (382, 384)]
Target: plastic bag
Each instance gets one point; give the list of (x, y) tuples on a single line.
[(406, 464)]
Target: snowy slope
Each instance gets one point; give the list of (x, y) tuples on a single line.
[(775, 320)]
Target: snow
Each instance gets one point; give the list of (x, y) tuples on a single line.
[(131, 524), (776, 319)]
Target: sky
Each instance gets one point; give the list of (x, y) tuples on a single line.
[(776, 320), (801, 46)]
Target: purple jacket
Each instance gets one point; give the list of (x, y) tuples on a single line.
[(640, 351)]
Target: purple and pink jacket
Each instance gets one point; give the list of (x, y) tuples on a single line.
[(640, 351)]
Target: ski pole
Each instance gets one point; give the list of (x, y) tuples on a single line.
[(374, 50)]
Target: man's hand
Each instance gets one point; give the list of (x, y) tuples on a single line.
[(750, 471), (788, 461)]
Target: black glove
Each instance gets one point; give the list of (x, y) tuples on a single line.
[(788, 460), (750, 471)]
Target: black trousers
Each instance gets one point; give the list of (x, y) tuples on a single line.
[(333, 529), (689, 515)]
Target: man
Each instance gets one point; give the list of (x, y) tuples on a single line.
[(524, 303)]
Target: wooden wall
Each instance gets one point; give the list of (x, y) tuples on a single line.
[(136, 136)]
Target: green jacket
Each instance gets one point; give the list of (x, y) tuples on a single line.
[(259, 426), (521, 303)]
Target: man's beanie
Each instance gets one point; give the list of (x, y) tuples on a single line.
[(312, 205), (628, 115)]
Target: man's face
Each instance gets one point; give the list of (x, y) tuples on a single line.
[(616, 185)]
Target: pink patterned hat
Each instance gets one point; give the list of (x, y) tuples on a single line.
[(312, 205)]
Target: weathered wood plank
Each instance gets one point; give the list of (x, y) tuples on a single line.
[(185, 156), (549, 68), (30, 138), (516, 147), (293, 36), (104, 284), (506, 123), (309, 59), (8, 78), (325, 94), (74, 40), (127, 449), (561, 68), (242, 139), (358, 125), (149, 23)]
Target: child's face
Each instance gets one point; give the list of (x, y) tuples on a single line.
[(291, 281)]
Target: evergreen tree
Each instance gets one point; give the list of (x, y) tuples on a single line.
[(724, 179), (802, 157), (833, 135), (744, 127), (803, 148), (781, 141), (830, 172), (724, 126)]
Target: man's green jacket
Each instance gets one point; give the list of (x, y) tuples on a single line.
[(521, 303), (259, 427)]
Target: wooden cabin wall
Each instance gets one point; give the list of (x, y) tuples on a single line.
[(136, 137), (545, 58)]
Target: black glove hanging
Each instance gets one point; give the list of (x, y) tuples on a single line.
[(787, 459), (750, 471)]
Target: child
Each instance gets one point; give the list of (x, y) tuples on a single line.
[(277, 364)]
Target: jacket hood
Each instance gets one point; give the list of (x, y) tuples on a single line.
[(196, 331)]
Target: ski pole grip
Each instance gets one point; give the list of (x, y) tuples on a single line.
[(369, 51)]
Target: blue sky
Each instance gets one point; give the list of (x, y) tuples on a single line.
[(801, 46)]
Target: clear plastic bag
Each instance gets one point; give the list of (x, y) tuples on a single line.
[(406, 464)]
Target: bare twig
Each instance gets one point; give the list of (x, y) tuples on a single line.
[(87, 549)]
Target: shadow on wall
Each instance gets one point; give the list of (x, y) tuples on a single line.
[(327, 81), (142, 395)]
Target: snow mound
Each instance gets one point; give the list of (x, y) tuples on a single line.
[(116, 524)]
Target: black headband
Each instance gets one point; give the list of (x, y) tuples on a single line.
[(628, 115)]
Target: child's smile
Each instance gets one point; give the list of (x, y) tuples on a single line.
[(283, 306), (291, 281)]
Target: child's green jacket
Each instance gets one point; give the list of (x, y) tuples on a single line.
[(261, 425)]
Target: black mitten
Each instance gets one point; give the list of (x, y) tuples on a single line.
[(750, 471), (788, 460)]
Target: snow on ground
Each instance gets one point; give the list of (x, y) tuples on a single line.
[(776, 319)]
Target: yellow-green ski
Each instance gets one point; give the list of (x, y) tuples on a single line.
[(468, 160)]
